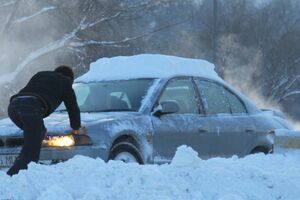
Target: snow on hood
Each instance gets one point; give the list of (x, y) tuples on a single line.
[(258, 176), (59, 122), (147, 66)]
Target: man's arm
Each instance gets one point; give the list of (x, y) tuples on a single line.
[(70, 102)]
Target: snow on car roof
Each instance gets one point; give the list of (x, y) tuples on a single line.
[(147, 66)]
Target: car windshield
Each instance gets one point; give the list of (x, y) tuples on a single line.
[(105, 96)]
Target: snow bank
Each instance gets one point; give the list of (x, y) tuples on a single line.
[(147, 66), (187, 177)]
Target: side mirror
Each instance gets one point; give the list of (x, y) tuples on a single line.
[(166, 107)]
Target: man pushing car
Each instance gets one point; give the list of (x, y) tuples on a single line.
[(45, 91)]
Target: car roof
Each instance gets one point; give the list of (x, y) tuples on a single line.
[(147, 66)]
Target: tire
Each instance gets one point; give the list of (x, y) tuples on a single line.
[(126, 152), (260, 150), (257, 152)]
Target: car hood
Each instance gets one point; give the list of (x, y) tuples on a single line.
[(58, 123)]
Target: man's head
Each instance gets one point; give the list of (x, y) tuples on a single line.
[(66, 71)]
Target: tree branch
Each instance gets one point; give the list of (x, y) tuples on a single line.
[(40, 52), (34, 15), (6, 4), (119, 43), (11, 17)]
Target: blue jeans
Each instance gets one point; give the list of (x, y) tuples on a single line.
[(27, 113)]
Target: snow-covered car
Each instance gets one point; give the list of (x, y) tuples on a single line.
[(141, 108)]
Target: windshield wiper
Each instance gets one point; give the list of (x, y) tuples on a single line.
[(105, 110), (62, 110), (114, 110)]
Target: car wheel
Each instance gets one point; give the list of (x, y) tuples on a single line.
[(260, 150), (257, 152), (125, 152)]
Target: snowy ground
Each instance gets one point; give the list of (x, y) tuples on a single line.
[(258, 176)]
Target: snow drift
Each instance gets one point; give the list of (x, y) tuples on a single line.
[(187, 177)]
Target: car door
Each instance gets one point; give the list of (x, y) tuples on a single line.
[(243, 120), (187, 127), (226, 112)]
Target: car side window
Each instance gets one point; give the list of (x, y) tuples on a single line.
[(181, 91), (237, 107), (213, 98)]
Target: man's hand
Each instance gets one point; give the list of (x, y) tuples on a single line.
[(81, 131)]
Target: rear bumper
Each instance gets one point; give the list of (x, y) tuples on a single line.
[(287, 139), (62, 153)]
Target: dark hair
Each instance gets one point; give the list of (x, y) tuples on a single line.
[(66, 71)]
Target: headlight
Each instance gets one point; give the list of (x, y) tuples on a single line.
[(66, 140), (59, 141)]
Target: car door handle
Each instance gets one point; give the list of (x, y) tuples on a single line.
[(249, 130), (202, 130)]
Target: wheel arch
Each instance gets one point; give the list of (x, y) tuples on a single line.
[(265, 144), (127, 139)]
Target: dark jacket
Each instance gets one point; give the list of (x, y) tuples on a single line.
[(52, 88)]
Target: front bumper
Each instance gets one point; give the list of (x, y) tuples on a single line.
[(65, 153), (60, 153)]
